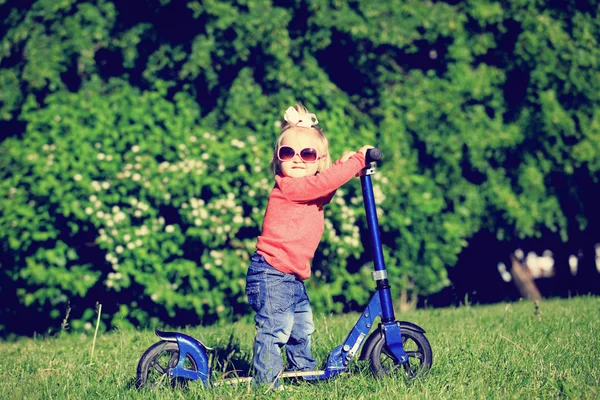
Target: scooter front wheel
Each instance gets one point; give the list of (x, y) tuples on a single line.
[(152, 370), (418, 349)]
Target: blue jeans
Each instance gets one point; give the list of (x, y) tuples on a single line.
[(283, 318)]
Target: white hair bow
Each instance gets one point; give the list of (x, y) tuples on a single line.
[(293, 117)]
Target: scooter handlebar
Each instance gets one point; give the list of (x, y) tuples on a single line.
[(373, 155)]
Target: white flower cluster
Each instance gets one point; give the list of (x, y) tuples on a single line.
[(102, 157), (140, 207), (99, 186), (209, 136), (95, 202), (141, 231), (113, 259), (228, 203), (111, 218), (224, 206), (50, 159), (217, 257), (330, 232), (356, 200), (238, 143), (244, 254), (348, 229), (384, 179), (198, 212), (186, 166), (379, 195), (265, 185), (130, 170), (112, 279), (339, 197), (117, 242), (350, 234)]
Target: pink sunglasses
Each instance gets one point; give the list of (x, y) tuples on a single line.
[(308, 155)]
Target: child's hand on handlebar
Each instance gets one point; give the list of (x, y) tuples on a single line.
[(365, 148), (346, 155)]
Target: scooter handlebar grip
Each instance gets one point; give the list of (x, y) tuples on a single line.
[(373, 155)]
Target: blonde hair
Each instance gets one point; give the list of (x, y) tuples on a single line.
[(287, 129)]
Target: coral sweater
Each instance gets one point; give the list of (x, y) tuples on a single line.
[(294, 220)]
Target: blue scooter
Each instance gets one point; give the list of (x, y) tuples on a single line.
[(392, 346)]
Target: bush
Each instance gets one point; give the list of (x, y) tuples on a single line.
[(121, 196), (134, 172)]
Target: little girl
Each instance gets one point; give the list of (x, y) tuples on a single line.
[(292, 228)]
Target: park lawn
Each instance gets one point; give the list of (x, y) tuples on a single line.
[(508, 350)]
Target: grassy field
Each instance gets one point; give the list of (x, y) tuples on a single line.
[(499, 351)]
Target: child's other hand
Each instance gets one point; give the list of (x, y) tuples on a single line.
[(364, 149), (346, 155)]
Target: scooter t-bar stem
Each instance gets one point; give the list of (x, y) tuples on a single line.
[(383, 287)]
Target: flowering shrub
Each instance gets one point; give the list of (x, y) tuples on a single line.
[(124, 193), (123, 197), (133, 156)]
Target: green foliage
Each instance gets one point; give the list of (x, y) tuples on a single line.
[(140, 178), (137, 181)]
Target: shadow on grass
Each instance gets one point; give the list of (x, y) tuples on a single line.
[(230, 361), (131, 384)]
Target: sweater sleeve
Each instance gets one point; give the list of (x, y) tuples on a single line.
[(323, 184)]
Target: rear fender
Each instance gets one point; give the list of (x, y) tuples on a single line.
[(195, 349)]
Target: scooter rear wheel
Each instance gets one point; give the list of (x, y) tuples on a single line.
[(418, 349), (156, 361)]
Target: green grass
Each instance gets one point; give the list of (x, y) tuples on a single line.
[(499, 351)]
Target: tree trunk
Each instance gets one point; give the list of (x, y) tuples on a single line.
[(523, 280), (407, 303)]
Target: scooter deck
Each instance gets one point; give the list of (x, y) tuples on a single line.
[(289, 374)]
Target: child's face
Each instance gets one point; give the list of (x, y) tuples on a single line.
[(300, 139)]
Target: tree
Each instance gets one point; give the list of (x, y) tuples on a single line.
[(487, 113)]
